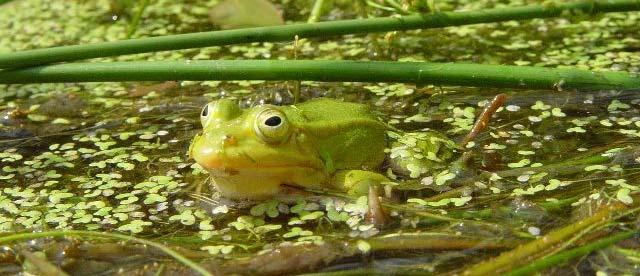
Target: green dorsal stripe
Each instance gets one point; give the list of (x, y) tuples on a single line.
[(324, 129)]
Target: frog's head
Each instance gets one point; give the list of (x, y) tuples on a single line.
[(249, 153)]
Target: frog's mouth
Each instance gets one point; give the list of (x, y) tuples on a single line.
[(222, 168), (229, 159), (275, 169)]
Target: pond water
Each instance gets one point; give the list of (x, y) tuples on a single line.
[(112, 157)]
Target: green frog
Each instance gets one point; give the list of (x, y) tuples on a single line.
[(321, 143)]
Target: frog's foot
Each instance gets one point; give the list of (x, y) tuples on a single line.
[(357, 182)]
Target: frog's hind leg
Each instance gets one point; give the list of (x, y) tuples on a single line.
[(414, 154)]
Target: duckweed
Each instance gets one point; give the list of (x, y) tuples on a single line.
[(119, 163)]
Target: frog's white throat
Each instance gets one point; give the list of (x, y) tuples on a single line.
[(260, 183)]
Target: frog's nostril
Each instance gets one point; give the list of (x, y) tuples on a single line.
[(229, 140)]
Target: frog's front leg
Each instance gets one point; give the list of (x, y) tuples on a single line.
[(357, 182)]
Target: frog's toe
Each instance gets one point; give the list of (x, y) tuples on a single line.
[(357, 182)]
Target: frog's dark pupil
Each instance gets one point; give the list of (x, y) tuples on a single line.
[(205, 111), (273, 121)]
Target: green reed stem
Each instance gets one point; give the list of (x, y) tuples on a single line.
[(556, 259), (322, 29), (479, 75), (528, 252), (316, 11), (136, 18)]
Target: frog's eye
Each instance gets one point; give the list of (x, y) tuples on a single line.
[(204, 115), (272, 126)]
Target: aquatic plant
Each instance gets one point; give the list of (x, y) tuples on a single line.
[(110, 157), (421, 73)]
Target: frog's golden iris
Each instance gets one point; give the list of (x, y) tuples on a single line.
[(272, 126)]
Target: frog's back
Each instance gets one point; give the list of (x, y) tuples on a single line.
[(331, 110), (349, 134)]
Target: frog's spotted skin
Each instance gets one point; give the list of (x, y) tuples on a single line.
[(250, 153)]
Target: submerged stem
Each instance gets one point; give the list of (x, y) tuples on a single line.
[(522, 254), (566, 256), (434, 241), (133, 26), (316, 11), (28, 236), (484, 118)]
